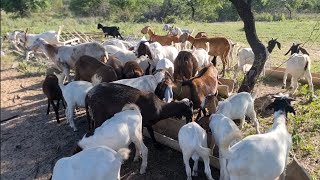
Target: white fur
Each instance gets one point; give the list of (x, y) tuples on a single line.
[(74, 94), (165, 64), (124, 55), (193, 143), (260, 156), (65, 57), (99, 163), (238, 107), (118, 132), (295, 67), (221, 127), (112, 49), (116, 42)]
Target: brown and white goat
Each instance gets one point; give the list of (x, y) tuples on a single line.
[(87, 67), (163, 40), (201, 34), (218, 46), (185, 66)]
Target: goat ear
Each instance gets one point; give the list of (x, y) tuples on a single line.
[(279, 45), (191, 103), (304, 51), (275, 39), (287, 52), (290, 109)]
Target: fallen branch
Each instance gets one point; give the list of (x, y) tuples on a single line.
[(7, 119)]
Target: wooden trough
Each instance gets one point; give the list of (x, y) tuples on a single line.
[(279, 72), (166, 133)]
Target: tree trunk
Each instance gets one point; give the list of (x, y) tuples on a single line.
[(193, 11), (260, 53), (289, 9)]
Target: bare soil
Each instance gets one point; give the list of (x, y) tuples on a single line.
[(32, 142)]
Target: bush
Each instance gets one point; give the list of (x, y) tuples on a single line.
[(280, 17), (171, 19), (264, 17)]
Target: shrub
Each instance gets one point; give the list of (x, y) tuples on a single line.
[(171, 19), (264, 17)]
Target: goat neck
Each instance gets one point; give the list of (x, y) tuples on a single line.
[(279, 118)]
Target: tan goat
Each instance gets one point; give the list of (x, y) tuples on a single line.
[(165, 40), (218, 46)]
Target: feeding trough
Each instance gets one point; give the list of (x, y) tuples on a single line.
[(166, 133), (279, 72)]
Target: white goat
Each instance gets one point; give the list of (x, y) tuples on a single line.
[(118, 132), (298, 65), (239, 106), (221, 127), (116, 42), (201, 56), (261, 156), (193, 143), (124, 55), (65, 57), (74, 94), (99, 163), (165, 64), (246, 56), (112, 49)]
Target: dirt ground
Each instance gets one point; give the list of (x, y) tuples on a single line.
[(32, 141)]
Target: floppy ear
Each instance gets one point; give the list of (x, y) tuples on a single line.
[(304, 51), (287, 52), (279, 45), (290, 109)]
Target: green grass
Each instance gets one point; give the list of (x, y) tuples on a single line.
[(304, 127)]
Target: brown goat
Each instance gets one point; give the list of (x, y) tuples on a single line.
[(131, 69), (210, 102), (185, 66), (165, 40), (117, 66), (51, 89), (86, 67), (218, 46), (201, 34)]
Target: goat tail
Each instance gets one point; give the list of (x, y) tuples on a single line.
[(123, 154), (96, 79), (225, 144), (60, 80), (307, 64), (253, 95), (131, 106)]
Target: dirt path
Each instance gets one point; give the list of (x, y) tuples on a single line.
[(32, 142)]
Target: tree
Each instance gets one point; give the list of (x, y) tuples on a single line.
[(23, 7), (260, 54)]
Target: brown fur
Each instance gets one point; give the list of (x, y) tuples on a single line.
[(185, 66), (211, 104), (117, 66), (218, 46), (163, 40), (132, 69), (88, 66)]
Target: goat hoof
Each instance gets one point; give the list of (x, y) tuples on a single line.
[(194, 173), (142, 171)]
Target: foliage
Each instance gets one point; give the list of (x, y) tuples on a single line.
[(23, 7)]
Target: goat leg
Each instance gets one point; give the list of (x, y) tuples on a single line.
[(48, 107), (151, 132), (55, 108)]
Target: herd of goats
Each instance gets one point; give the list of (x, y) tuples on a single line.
[(125, 87)]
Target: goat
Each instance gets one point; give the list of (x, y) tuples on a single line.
[(221, 127), (117, 66), (97, 163), (118, 43), (51, 89), (201, 56), (295, 48), (124, 55), (163, 40), (218, 46), (106, 99), (229, 107), (12, 38), (266, 153), (86, 67), (176, 31), (298, 65), (65, 57), (112, 31), (118, 132), (246, 56), (210, 103), (193, 143), (74, 94), (131, 69), (185, 66)]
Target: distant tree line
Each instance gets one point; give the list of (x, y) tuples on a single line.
[(168, 11)]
